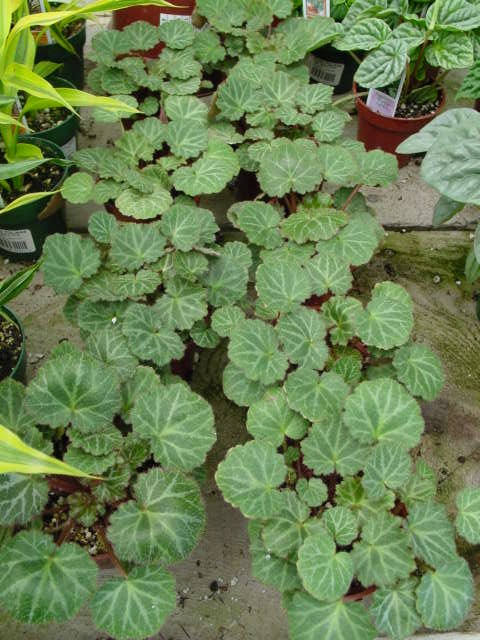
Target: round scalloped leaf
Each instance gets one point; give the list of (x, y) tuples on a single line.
[(210, 173), (182, 305), (267, 568), (340, 315), (249, 478), (342, 525), (110, 347), (149, 338), (178, 423), (348, 365), (337, 164), (186, 139), (444, 596), (329, 273), (329, 125), (78, 189), (284, 534), (290, 165), (76, 390), (302, 334), (13, 412), (226, 319), (204, 336), (431, 532), (163, 523), (325, 574), (98, 443), (356, 242), (382, 411), (388, 467), (42, 582), (208, 47), (422, 485), (312, 492), (282, 285), (386, 322), (136, 245), (272, 420), (190, 266), (101, 226), (239, 389), (394, 610), (21, 498), (313, 224), (254, 349), (420, 370), (67, 260), (378, 169), (315, 396), (145, 597), (95, 316), (237, 96), (259, 221), (144, 206), (468, 516), (310, 619), (95, 465), (141, 383), (383, 556), (176, 34), (330, 448), (140, 36), (351, 494), (182, 225)]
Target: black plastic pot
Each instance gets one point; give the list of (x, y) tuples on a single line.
[(335, 68), (19, 371), (73, 66), (24, 229), (63, 135)]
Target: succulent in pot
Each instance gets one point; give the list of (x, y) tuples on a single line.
[(409, 50)]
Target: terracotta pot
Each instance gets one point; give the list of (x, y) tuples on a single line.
[(379, 132), (154, 15)]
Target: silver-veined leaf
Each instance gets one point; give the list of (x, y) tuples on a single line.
[(420, 370), (431, 532), (21, 498), (383, 66), (272, 420), (316, 397), (388, 467), (302, 334), (282, 285), (341, 523), (394, 610), (468, 515), (240, 389), (134, 246), (68, 260)]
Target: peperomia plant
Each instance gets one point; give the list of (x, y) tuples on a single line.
[(424, 40), (450, 143), (339, 509)]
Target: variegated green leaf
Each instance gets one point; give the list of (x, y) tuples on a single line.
[(313, 224), (342, 525), (21, 498), (259, 221), (266, 567), (272, 420), (240, 389), (420, 370), (468, 516), (394, 610), (316, 397), (68, 260), (431, 532), (134, 246), (182, 304), (210, 173), (302, 334), (110, 347), (282, 285), (388, 467)]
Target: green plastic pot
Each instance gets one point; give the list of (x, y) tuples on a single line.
[(73, 68), (23, 230), (63, 135), (19, 372)]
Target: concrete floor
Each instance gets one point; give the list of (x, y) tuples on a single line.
[(244, 609)]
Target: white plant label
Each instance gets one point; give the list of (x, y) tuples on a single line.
[(314, 8), (17, 240), (69, 147), (325, 71), (384, 104), (166, 17)]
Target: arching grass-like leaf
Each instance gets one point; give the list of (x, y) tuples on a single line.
[(329, 447), (291, 165), (146, 596), (383, 555), (310, 619), (164, 521), (388, 467), (240, 389), (134, 246), (316, 397), (431, 532), (254, 348), (21, 498), (178, 423), (302, 334), (272, 420), (420, 370), (325, 574), (468, 516), (148, 336), (259, 221), (42, 582), (68, 260), (445, 595), (76, 390), (382, 411), (282, 285), (394, 610), (210, 173), (342, 525), (249, 477)]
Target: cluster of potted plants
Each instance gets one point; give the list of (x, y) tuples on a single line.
[(343, 517)]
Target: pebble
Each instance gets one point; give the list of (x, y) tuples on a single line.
[(436, 279), (234, 581)]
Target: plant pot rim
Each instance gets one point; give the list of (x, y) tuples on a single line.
[(43, 142), (72, 117), (23, 351), (393, 119)]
